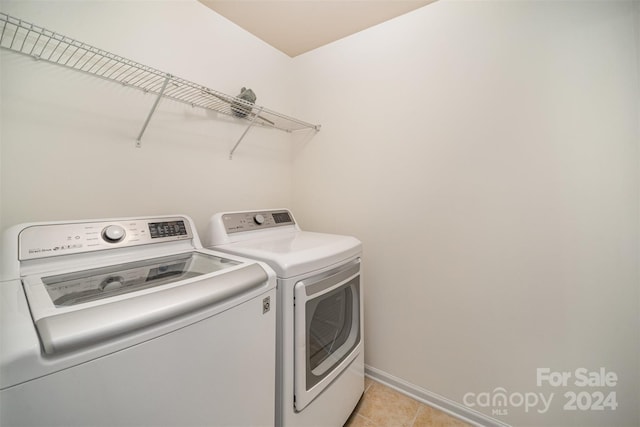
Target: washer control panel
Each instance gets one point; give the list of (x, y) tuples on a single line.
[(41, 241), (249, 221)]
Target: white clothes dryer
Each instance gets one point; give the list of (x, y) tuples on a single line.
[(320, 346), (120, 322)]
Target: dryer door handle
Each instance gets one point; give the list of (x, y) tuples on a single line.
[(330, 280), (94, 325)]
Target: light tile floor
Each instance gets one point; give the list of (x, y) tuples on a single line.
[(382, 406)]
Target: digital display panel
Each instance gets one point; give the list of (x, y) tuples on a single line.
[(281, 217), (167, 229)]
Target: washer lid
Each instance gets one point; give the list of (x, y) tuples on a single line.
[(293, 254), (76, 309)]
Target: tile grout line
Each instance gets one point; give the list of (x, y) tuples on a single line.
[(412, 422), (415, 416), (369, 420)]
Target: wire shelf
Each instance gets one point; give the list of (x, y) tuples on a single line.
[(42, 44)]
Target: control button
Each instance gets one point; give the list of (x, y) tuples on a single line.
[(259, 219), (113, 233)]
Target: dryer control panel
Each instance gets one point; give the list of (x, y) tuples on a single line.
[(41, 241), (248, 221)]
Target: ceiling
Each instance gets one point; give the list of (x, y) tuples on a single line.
[(298, 26)]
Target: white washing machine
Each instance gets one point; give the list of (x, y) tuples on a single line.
[(320, 350), (122, 322)]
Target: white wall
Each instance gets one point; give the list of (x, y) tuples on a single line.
[(486, 153), (68, 140)]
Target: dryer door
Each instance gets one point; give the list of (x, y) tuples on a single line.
[(327, 329)]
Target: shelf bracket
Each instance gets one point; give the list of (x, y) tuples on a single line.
[(153, 110), (253, 119)]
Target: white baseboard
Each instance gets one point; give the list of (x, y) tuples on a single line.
[(452, 408)]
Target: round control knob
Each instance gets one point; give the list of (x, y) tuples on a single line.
[(112, 282), (113, 233), (259, 219)]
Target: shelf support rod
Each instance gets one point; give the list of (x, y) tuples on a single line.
[(153, 110), (253, 119)]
